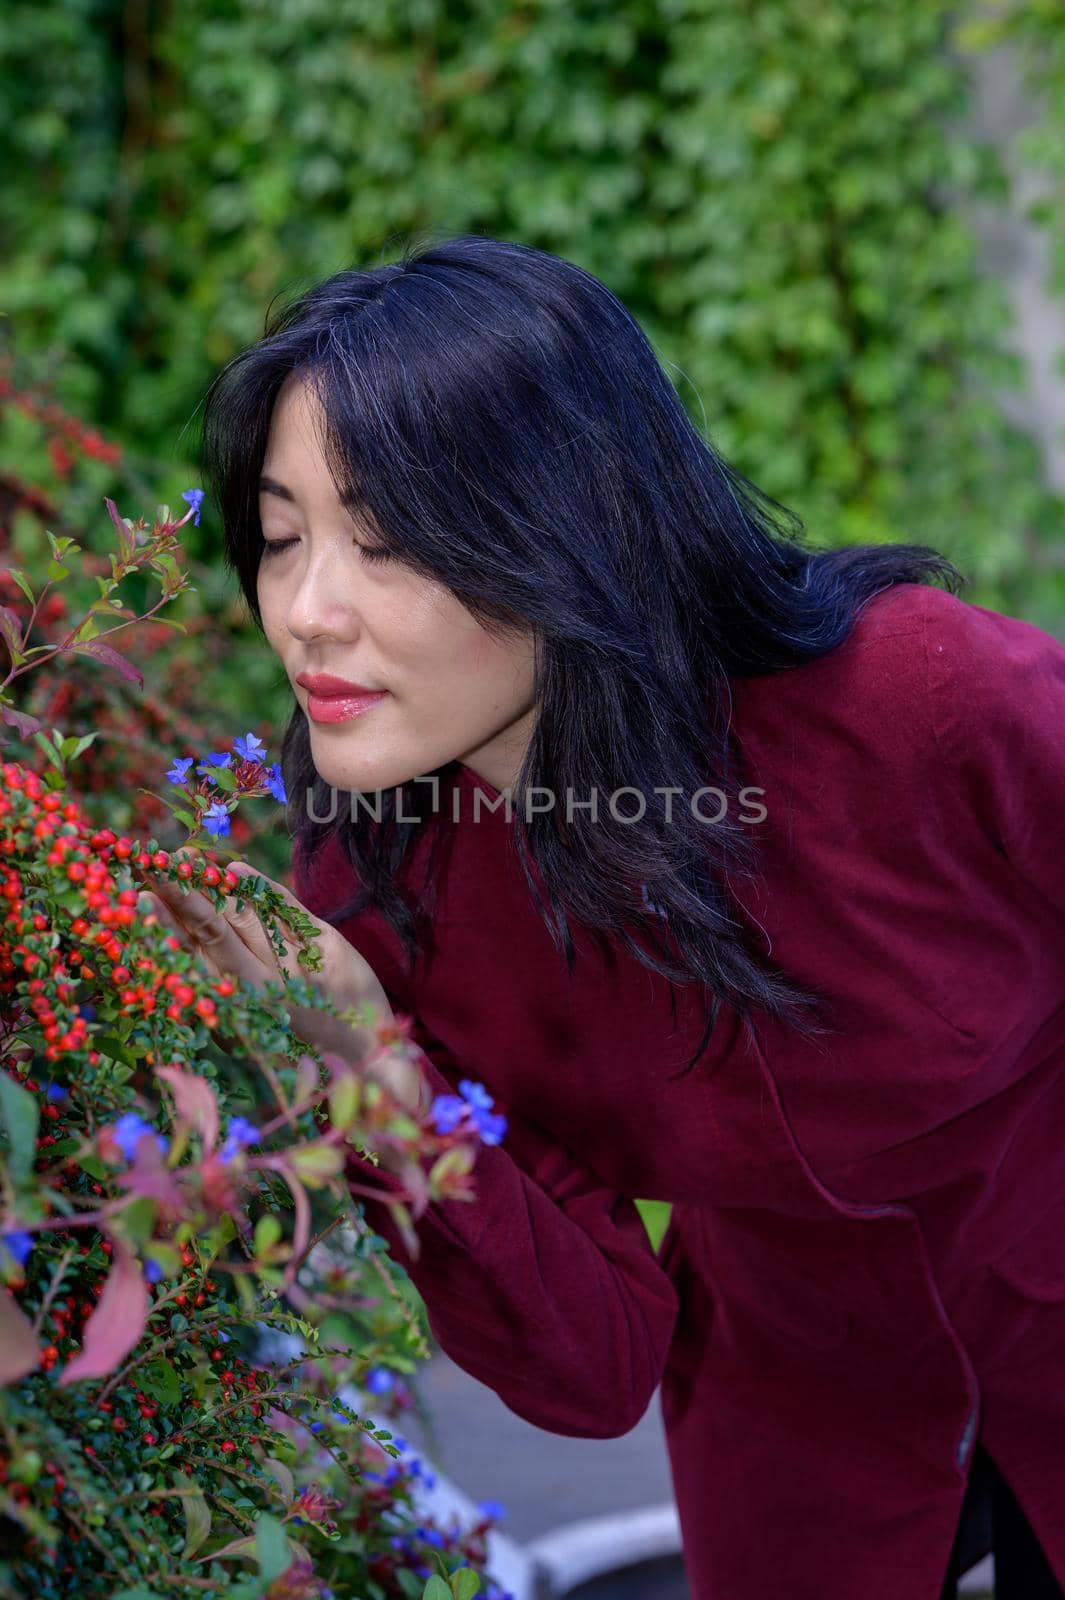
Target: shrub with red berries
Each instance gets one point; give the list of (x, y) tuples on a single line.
[(190, 1298)]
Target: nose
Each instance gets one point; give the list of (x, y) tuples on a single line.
[(322, 602)]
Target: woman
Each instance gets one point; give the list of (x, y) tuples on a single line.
[(774, 930)]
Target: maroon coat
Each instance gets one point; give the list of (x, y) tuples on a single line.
[(865, 1267)]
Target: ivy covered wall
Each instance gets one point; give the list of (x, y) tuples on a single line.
[(777, 191)]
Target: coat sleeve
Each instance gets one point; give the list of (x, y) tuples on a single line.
[(545, 1286), (999, 707)]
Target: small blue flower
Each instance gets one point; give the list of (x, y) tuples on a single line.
[(216, 819), (128, 1130), (491, 1128), (378, 1380), (194, 498), (152, 1271), (433, 1536), (239, 1134), (447, 1111), (475, 1094), (400, 1443), (249, 748), (19, 1245), (59, 1091), (179, 771), (316, 1427), (492, 1509), (275, 784)]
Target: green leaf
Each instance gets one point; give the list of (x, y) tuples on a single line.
[(161, 1381), (271, 1548), (197, 1521), (267, 1234), (436, 1589), (108, 1045), (45, 741), (137, 1219), (316, 1162), (139, 1593), (20, 578), (18, 1112), (465, 1583), (344, 1097), (93, 1166), (73, 748), (57, 570)]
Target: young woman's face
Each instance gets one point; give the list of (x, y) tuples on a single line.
[(451, 691)]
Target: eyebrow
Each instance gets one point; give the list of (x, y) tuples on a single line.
[(271, 486)]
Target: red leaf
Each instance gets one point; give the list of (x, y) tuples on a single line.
[(125, 535), (11, 629), (110, 658), (117, 1323), (21, 720), (19, 1351), (195, 1101)]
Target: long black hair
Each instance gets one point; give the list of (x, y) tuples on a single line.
[(506, 428)]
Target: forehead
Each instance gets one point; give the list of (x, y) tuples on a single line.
[(295, 422), (295, 467)]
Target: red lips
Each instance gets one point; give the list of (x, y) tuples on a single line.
[(324, 684)]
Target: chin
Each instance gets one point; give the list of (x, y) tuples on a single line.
[(364, 777)]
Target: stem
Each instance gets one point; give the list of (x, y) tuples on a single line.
[(53, 1288), (50, 655)]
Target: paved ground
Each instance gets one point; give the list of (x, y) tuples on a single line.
[(543, 1479)]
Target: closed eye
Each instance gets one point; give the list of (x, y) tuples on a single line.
[(273, 547)]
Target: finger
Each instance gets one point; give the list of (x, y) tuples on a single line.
[(232, 941), (153, 911), (292, 942)]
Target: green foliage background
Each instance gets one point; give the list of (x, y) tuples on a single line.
[(776, 191)]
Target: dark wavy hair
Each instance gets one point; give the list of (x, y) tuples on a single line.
[(504, 426)]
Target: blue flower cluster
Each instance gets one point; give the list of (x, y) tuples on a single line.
[(472, 1105), (247, 748)]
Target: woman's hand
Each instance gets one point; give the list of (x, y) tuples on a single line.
[(234, 943)]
